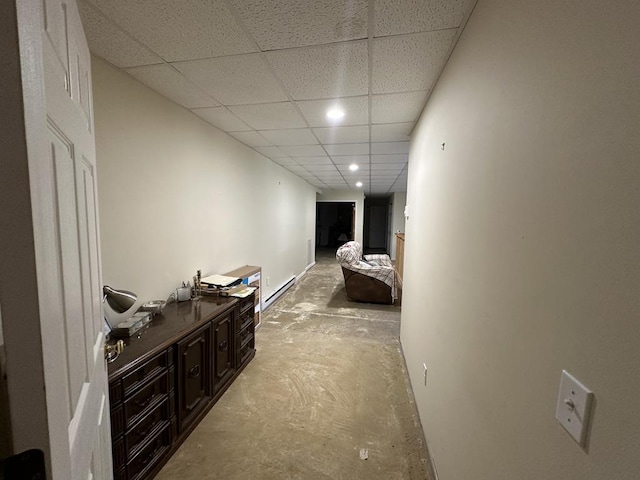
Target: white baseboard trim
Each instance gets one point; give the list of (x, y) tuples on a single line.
[(304, 272), (278, 292)]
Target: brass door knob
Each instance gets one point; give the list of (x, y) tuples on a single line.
[(111, 352)]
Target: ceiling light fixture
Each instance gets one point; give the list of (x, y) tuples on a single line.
[(353, 167), (359, 184), (335, 113)]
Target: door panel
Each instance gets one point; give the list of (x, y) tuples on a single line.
[(194, 356), (67, 242), (223, 336), (55, 30)]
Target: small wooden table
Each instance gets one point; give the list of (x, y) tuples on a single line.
[(251, 275)]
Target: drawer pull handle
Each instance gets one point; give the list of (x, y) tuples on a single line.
[(194, 372), (224, 345), (148, 430), (144, 403), (151, 455)]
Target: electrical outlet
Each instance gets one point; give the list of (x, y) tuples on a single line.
[(424, 366)]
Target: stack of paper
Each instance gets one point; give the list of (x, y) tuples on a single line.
[(219, 280)]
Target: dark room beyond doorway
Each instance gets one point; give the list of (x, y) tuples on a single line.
[(334, 223)]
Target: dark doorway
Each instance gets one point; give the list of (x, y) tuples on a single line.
[(376, 216), (334, 223)]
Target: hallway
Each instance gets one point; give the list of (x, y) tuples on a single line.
[(327, 387)]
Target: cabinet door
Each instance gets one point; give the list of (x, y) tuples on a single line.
[(194, 386), (223, 346)]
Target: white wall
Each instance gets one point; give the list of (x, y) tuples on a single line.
[(355, 196), (398, 200), (177, 195), (523, 244)]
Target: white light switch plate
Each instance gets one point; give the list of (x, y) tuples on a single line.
[(574, 407)]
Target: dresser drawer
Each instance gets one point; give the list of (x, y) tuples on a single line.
[(117, 421), (119, 455), (149, 456), (147, 427), (245, 353), (115, 393), (145, 399), (247, 304), (245, 322), (141, 375)]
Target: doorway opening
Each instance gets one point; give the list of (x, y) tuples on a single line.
[(335, 223), (376, 224)]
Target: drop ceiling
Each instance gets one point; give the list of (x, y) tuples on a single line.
[(266, 72)]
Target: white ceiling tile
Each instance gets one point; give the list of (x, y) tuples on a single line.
[(362, 170), (236, 80), (292, 136), (253, 139), (356, 111), (303, 150), (330, 179), (172, 84), (319, 160), (349, 159), (272, 152), (296, 169), (397, 107), (392, 132), (269, 116), (194, 29), (390, 147), (327, 71), (285, 161), (397, 158), (348, 149), (278, 24), (323, 169), (395, 17), (309, 177), (387, 168), (331, 135), (381, 184), (385, 174), (221, 118), (409, 62), (111, 43)]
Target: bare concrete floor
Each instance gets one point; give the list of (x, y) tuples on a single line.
[(327, 383)]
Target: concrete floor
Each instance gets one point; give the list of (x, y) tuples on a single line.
[(327, 382)]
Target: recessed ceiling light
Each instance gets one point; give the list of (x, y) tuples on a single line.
[(353, 167), (359, 184), (335, 113)]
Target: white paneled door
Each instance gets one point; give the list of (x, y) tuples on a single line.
[(56, 77)]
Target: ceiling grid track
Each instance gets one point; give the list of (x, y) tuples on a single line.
[(266, 72), (370, 29)]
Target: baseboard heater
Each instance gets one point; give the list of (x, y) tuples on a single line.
[(275, 295)]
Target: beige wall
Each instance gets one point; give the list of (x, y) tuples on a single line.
[(177, 195), (356, 196), (523, 243)]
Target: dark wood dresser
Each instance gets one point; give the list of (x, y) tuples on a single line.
[(170, 374)]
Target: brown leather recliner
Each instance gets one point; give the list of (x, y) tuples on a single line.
[(371, 278)]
